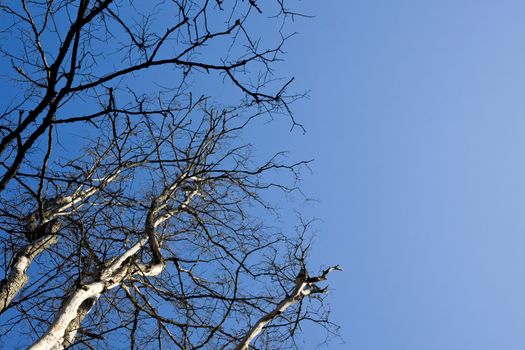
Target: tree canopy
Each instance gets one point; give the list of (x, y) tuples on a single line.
[(133, 214)]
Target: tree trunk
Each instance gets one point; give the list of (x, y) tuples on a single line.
[(74, 326), (41, 238), (17, 275), (77, 304), (55, 336)]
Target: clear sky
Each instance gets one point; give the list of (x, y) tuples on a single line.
[(417, 124)]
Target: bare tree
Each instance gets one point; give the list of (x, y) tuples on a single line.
[(132, 213)]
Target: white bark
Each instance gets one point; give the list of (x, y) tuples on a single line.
[(54, 336), (17, 275), (297, 295), (74, 325), (66, 204), (304, 286), (118, 270), (67, 321)]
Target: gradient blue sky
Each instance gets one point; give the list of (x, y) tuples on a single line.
[(417, 124)]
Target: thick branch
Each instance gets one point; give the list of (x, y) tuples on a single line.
[(38, 243), (17, 276), (116, 271)]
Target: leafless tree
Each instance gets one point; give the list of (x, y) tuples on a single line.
[(132, 213)]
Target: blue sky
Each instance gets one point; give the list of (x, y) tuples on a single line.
[(417, 124)]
